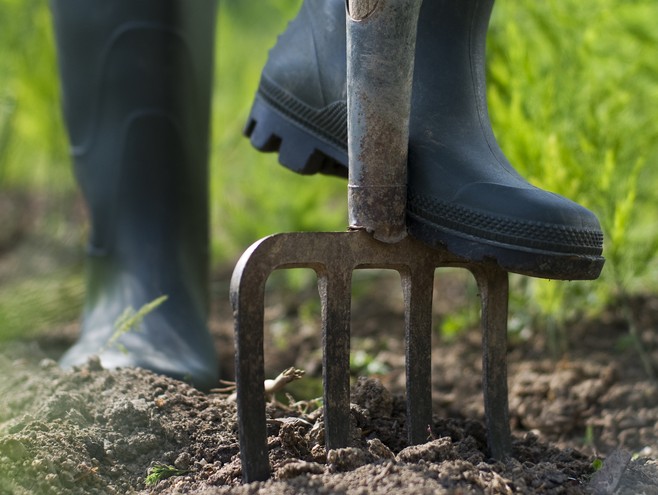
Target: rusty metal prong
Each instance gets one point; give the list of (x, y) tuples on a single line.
[(335, 287), (247, 299), (417, 287), (493, 283)]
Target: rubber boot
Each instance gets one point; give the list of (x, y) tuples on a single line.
[(136, 86), (300, 108), (463, 194)]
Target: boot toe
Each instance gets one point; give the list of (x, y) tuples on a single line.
[(184, 365), (170, 341), (531, 216), (525, 229)]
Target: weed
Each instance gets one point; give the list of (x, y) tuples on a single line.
[(597, 464), (364, 363), (160, 472), (589, 439), (131, 320)]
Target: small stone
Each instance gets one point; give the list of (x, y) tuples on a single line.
[(297, 468), (437, 450), (377, 448), (183, 461), (94, 364), (346, 459), (319, 453), (47, 363)]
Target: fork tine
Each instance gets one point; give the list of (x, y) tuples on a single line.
[(335, 293), (417, 287), (247, 298), (493, 283)]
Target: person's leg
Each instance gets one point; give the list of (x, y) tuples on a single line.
[(136, 85), (463, 193)]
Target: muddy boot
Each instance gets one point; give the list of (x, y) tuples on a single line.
[(136, 84), (462, 192)]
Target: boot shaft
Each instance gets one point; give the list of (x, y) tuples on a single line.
[(133, 54), (136, 88), (449, 77), (306, 70), (309, 60)]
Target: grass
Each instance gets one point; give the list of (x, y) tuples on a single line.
[(36, 304), (161, 472), (572, 93), (131, 321), (572, 97)]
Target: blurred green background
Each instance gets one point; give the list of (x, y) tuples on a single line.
[(573, 93)]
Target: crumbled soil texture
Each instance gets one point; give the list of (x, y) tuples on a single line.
[(92, 430)]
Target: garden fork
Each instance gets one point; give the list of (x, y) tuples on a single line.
[(380, 41)]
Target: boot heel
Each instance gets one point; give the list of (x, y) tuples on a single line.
[(300, 150)]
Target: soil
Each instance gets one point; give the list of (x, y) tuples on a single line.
[(92, 430)]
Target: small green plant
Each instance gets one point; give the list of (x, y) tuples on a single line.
[(597, 464), (160, 472), (131, 321), (364, 363), (589, 440)]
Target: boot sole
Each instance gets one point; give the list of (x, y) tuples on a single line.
[(300, 148), (512, 258), (303, 150)]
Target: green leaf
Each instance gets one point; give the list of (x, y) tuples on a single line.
[(160, 472), (131, 320)]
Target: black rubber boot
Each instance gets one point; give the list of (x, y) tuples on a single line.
[(136, 85), (462, 191), (300, 109)]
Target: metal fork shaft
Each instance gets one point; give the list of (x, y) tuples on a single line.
[(381, 43)]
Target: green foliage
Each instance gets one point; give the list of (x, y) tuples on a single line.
[(39, 303), (364, 363), (160, 472), (572, 94), (131, 320), (32, 143), (597, 464)]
